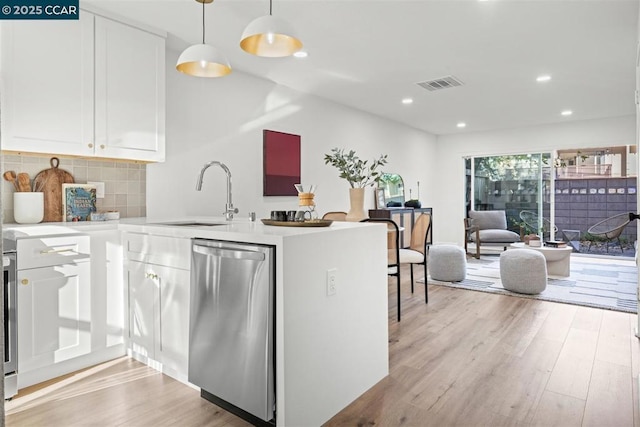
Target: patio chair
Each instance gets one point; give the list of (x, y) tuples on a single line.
[(610, 229), (487, 228), (531, 220)]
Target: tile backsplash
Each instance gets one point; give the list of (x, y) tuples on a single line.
[(125, 182)]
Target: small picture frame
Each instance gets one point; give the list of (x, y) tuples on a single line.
[(380, 202)]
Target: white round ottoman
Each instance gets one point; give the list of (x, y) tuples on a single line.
[(523, 271), (447, 263)]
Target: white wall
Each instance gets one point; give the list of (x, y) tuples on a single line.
[(449, 199), (222, 119)]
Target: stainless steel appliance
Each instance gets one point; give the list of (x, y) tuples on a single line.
[(10, 319), (231, 327)]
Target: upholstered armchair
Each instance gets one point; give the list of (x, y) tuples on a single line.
[(487, 228)]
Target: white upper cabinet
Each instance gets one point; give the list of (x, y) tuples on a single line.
[(92, 87), (47, 70), (130, 90)]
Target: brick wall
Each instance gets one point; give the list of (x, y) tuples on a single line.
[(581, 203)]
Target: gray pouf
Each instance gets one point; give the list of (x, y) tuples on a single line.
[(447, 263), (523, 271)]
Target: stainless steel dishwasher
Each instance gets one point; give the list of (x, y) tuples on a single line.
[(231, 327)]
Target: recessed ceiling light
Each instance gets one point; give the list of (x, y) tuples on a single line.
[(407, 101), (567, 113), (301, 54), (543, 78), (461, 125)]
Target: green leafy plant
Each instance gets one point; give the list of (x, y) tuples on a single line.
[(359, 173)]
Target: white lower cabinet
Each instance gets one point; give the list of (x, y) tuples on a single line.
[(143, 295), (159, 317), (70, 303), (54, 315)]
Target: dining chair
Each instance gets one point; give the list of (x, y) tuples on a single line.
[(418, 249), (335, 216), (393, 248)]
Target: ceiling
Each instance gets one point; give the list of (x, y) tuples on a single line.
[(370, 54)]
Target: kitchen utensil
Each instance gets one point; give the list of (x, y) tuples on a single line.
[(51, 180), (11, 177), (38, 186), (306, 223), (24, 182)]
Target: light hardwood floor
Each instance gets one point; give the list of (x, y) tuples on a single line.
[(467, 358)]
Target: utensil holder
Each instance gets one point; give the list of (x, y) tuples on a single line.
[(28, 207)]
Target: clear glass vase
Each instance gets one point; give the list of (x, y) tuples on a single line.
[(306, 193)]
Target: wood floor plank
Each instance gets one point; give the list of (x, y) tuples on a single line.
[(614, 339), (572, 372), (558, 410), (610, 400), (557, 324), (465, 359), (587, 319)]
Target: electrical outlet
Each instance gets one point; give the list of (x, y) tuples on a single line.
[(99, 189), (332, 281)]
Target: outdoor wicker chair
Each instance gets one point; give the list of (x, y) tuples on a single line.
[(610, 229), (530, 219)]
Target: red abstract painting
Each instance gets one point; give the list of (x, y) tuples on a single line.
[(281, 168)]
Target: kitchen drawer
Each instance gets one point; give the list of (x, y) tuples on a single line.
[(161, 250), (50, 251)]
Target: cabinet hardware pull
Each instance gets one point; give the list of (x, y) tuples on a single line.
[(102, 146), (55, 251), (90, 145), (151, 276), (25, 281)]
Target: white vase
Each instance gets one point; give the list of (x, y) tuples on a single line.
[(356, 201), (28, 207)]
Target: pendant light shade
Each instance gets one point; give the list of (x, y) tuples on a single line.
[(202, 60), (270, 36)]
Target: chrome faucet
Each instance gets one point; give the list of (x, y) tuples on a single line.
[(229, 210)]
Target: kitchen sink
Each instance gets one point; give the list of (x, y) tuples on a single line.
[(192, 224)]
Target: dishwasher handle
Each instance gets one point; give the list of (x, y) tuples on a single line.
[(229, 253)]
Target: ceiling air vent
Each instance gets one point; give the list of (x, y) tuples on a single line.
[(441, 83)]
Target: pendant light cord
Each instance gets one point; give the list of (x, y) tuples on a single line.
[(270, 7), (203, 22)]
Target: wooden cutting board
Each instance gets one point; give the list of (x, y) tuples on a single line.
[(50, 182)]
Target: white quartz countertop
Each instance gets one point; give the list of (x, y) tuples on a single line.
[(235, 230)]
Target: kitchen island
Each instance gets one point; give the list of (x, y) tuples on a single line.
[(329, 349)]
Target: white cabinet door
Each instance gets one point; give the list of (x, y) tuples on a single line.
[(107, 290), (54, 315), (174, 320), (159, 316), (93, 87), (47, 72), (130, 80), (143, 306)]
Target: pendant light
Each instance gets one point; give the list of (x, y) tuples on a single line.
[(203, 60), (270, 36)]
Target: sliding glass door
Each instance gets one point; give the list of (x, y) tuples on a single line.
[(562, 197), (518, 184)]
